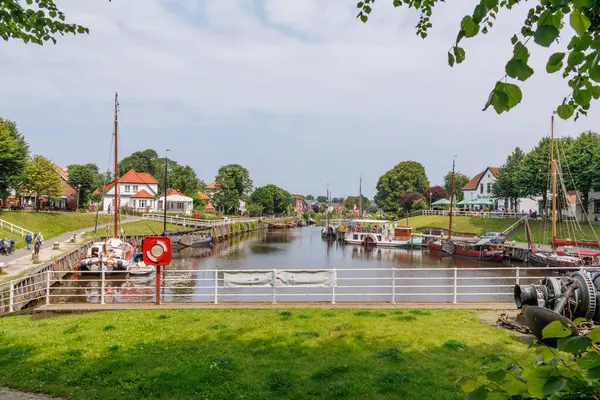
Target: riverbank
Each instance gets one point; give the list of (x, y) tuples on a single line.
[(224, 354)]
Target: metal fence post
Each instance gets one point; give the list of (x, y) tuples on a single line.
[(216, 286), (274, 283), (393, 285), (11, 298), (455, 284), (333, 288), (518, 277), (102, 287), (47, 287)]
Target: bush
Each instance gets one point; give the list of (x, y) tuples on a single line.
[(553, 376)]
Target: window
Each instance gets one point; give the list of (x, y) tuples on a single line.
[(135, 188), (181, 205), (596, 206), (355, 236), (141, 203), (127, 187), (481, 188), (133, 203), (489, 187)]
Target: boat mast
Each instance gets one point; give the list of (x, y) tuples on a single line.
[(451, 200), (116, 205), (360, 198), (553, 171)]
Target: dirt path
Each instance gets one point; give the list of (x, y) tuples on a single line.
[(9, 394)]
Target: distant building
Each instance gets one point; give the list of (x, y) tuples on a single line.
[(177, 202), (137, 190), (300, 204), (206, 198), (479, 189)]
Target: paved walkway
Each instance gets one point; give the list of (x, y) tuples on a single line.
[(21, 260), (9, 394)]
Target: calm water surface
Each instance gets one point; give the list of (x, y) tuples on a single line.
[(191, 275)]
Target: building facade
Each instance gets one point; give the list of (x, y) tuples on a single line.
[(137, 191), (300, 204)]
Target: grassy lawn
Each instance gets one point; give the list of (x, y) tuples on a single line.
[(542, 231), (143, 227), (250, 354), (50, 224), (461, 224)]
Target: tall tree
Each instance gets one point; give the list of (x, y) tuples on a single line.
[(37, 23), (507, 182), (534, 174), (41, 178), (543, 23), (582, 172), (159, 172), (309, 197), (141, 161), (233, 184), (434, 193), (409, 199), (84, 178), (337, 200), (184, 179), (322, 199), (460, 180), (352, 201), (405, 177), (271, 198), (14, 152)]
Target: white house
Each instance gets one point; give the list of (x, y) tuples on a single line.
[(177, 202), (137, 190), (479, 189)]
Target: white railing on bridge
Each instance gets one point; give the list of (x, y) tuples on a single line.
[(12, 228), (436, 285), (186, 221), (482, 214)]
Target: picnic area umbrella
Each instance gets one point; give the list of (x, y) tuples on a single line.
[(463, 202), (441, 202), (485, 202)]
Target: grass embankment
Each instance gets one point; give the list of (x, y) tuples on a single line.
[(252, 354), (50, 224), (542, 231), (142, 227), (474, 225)]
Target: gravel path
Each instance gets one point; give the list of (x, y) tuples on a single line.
[(9, 394)]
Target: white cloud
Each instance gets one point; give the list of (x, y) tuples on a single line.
[(302, 85)]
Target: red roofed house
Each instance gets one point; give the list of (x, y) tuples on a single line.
[(206, 198), (300, 204), (137, 190), (177, 202), (479, 189), (66, 201)]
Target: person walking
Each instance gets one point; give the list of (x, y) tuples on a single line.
[(28, 240)]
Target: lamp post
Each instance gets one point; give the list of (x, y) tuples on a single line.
[(166, 188), (78, 190), (430, 200)]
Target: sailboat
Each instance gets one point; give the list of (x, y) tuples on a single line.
[(113, 254), (555, 258)]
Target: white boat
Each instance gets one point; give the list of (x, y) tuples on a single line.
[(113, 255), (138, 267), (381, 233)]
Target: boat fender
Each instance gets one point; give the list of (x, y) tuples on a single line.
[(110, 261), (82, 263), (120, 263), (374, 229)]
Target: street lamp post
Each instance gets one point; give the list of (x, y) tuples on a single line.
[(430, 200), (166, 188), (78, 190)]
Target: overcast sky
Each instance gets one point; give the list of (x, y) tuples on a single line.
[(298, 91)]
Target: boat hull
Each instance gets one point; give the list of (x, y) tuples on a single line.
[(537, 260), (416, 242)]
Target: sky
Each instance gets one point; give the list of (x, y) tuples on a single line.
[(299, 92)]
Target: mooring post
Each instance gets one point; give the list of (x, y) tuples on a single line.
[(455, 284), (11, 300), (216, 286), (518, 276), (333, 290), (47, 287), (393, 285), (102, 286)]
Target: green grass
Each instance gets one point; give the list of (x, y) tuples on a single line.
[(250, 354), (50, 224), (474, 225), (542, 231)]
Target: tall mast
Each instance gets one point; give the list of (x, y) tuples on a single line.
[(553, 171), (360, 197), (116, 187), (451, 200)]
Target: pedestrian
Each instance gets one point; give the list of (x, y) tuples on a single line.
[(11, 245), (2, 247), (109, 208), (28, 240), (39, 240)]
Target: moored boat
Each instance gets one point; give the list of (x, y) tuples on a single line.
[(381, 233), (113, 255), (481, 250), (138, 267)]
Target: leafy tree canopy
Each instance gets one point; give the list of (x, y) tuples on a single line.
[(37, 22), (14, 152), (41, 178), (309, 197), (184, 179), (322, 199), (85, 178), (507, 182), (406, 177), (234, 183), (543, 25), (408, 200), (582, 164), (460, 180), (435, 193), (141, 161), (272, 198), (352, 201)]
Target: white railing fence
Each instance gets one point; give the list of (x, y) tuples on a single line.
[(209, 223), (382, 285), (12, 228), (482, 214)]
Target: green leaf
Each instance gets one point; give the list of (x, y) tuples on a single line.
[(518, 69), (514, 39), (470, 27), (479, 13), (596, 92), (459, 53), (594, 335), (520, 52), (545, 35), (535, 386), (364, 18), (450, 59), (575, 58), (514, 387), (589, 360), (578, 321), (594, 373), (496, 376), (582, 96), (29, 2), (490, 3), (360, 4), (469, 386), (575, 344), (546, 352), (564, 111), (499, 100), (556, 329), (514, 94), (579, 22), (595, 76), (553, 385), (478, 394)]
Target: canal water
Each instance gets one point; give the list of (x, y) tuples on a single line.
[(361, 274)]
